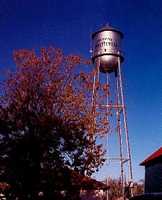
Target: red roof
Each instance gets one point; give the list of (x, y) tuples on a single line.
[(69, 179), (152, 157)]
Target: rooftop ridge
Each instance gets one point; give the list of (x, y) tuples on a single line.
[(152, 157)]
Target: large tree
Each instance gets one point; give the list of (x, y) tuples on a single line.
[(47, 121)]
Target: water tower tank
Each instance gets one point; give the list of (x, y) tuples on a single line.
[(107, 48)]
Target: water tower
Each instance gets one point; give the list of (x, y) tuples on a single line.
[(107, 58)]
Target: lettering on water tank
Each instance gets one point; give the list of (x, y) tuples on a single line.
[(102, 39), (103, 43)]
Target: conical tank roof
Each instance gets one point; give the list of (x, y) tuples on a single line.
[(107, 27)]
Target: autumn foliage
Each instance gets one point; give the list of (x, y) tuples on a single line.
[(48, 120)]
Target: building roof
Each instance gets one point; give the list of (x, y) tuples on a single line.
[(85, 182), (69, 179), (153, 157)]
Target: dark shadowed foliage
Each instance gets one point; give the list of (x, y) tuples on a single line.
[(46, 122)]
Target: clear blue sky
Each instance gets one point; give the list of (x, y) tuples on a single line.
[(68, 24)]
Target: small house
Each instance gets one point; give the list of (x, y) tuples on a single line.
[(153, 172), (153, 177)]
